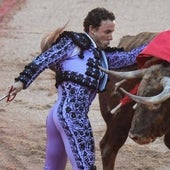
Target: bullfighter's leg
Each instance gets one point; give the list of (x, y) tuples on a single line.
[(56, 157), (72, 121)]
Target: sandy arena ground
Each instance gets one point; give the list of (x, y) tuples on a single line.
[(22, 122)]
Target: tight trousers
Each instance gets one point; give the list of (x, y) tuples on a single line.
[(69, 133)]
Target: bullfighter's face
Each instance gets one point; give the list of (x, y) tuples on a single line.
[(103, 34)]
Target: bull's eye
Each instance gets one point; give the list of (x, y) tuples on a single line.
[(154, 106)]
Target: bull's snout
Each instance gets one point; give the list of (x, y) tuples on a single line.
[(133, 136), (140, 140)]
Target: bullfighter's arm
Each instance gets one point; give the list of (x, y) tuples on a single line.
[(45, 60), (119, 59)]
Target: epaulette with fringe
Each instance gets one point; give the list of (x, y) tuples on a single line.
[(79, 39)]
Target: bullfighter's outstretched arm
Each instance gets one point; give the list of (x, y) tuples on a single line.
[(119, 59)]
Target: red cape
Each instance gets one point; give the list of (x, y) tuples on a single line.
[(159, 47)]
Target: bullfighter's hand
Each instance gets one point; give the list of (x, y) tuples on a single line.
[(16, 87)]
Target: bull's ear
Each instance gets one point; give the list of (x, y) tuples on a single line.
[(125, 74), (153, 100)]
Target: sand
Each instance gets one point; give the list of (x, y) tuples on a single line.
[(22, 127)]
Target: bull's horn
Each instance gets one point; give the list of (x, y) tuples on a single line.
[(125, 74), (161, 97)]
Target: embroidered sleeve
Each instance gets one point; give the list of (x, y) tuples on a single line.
[(56, 54), (118, 59)]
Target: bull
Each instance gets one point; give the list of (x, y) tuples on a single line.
[(149, 118)]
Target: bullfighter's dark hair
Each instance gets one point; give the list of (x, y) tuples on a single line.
[(96, 16)]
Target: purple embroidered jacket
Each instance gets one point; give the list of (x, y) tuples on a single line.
[(73, 61)]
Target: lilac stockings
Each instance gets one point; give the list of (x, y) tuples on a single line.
[(69, 132)]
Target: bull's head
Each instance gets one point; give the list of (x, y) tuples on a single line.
[(152, 117)]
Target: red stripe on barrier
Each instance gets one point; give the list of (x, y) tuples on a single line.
[(5, 7)]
